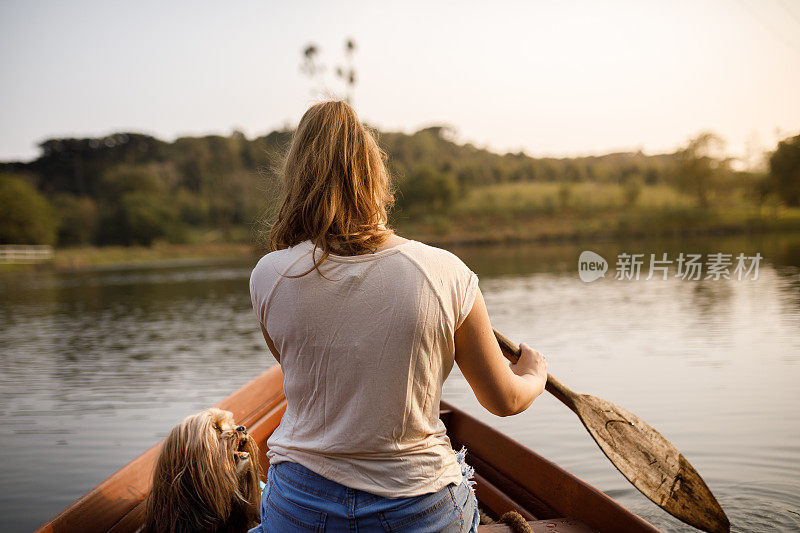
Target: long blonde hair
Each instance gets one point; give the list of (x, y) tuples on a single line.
[(205, 478), (336, 188)]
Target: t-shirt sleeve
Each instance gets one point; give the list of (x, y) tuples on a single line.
[(456, 285), (262, 280), (254, 298), (467, 290)]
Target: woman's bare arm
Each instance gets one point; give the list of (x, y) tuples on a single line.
[(503, 389), (270, 344)]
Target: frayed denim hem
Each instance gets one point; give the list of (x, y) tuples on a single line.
[(467, 473)]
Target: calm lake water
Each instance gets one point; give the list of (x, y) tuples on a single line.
[(96, 366)]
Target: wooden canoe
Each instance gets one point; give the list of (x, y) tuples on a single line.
[(508, 476)]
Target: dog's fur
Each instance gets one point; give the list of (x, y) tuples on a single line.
[(206, 478)]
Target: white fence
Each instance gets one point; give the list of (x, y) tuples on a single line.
[(24, 253)]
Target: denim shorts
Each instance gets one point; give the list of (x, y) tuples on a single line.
[(297, 499)]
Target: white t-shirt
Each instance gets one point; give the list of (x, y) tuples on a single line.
[(364, 355)]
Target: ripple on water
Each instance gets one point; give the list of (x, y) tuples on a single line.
[(97, 366), (751, 507)]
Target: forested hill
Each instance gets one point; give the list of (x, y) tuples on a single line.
[(79, 166), (130, 188)]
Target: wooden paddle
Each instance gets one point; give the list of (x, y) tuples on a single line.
[(641, 453)]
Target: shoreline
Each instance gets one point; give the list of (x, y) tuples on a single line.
[(529, 231), (89, 258)]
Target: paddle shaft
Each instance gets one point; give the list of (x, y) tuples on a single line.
[(512, 352)]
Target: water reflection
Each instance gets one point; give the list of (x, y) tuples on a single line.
[(96, 366)]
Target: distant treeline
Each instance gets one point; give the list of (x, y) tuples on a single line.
[(129, 188)]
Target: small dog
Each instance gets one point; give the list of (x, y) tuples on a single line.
[(206, 478)]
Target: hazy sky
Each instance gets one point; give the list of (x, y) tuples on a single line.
[(549, 78)]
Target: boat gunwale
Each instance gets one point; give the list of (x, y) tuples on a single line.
[(585, 503), (119, 498), (120, 494)]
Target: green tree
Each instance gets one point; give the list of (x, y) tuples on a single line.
[(77, 219), (235, 200), (784, 170), (76, 165), (701, 164), (140, 218), (26, 216), (136, 208), (428, 188), (120, 180)]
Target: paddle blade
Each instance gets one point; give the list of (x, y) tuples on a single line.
[(651, 463)]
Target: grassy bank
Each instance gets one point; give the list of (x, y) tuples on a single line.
[(518, 212), (550, 211), (92, 256)]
